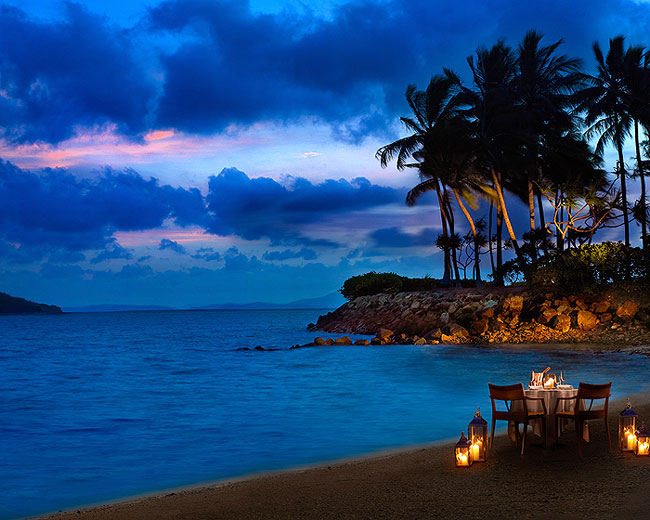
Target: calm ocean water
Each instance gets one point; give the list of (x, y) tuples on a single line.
[(101, 406)]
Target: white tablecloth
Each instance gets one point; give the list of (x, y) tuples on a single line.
[(550, 399)]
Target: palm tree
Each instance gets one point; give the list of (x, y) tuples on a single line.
[(432, 109), (544, 83), (492, 117), (637, 100), (607, 115)]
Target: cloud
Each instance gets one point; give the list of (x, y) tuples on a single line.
[(52, 208), (207, 253), (78, 71), (263, 208), (395, 237), (288, 254), (117, 252), (165, 243)]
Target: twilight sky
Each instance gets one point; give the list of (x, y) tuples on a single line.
[(189, 152)]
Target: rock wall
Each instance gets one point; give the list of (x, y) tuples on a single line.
[(505, 315)]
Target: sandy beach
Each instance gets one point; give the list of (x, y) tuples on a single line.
[(424, 483)]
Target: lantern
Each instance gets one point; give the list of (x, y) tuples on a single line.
[(549, 381), (627, 428), (477, 435), (642, 446), (463, 455)]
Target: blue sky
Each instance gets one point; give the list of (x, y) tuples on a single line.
[(189, 152)]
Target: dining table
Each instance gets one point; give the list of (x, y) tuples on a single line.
[(550, 397)]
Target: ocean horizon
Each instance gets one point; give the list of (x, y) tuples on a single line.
[(103, 406)]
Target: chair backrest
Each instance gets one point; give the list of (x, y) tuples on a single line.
[(507, 393), (593, 392)]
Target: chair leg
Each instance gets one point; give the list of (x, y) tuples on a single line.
[(523, 438), (609, 437), (492, 436), (579, 433)]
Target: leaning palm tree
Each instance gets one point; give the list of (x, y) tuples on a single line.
[(606, 113), (432, 109)]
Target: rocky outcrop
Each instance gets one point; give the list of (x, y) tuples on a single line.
[(12, 305), (506, 315)]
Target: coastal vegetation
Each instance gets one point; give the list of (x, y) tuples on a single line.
[(525, 126), (13, 305)]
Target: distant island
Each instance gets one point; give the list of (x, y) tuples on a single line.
[(13, 305)]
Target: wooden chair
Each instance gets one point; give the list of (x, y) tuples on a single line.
[(511, 394), (580, 414)]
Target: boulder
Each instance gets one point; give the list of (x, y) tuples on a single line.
[(564, 308), (488, 313), (513, 304), (447, 339), (489, 304), (329, 341), (563, 323), (600, 307), (479, 327), (435, 334), (385, 334), (345, 340), (375, 341), (606, 317), (547, 316), (444, 318), (587, 320), (420, 342), (627, 310), (319, 341), (362, 342), (457, 331)]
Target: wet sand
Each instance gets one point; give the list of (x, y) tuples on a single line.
[(424, 483)]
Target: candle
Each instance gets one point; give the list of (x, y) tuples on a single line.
[(462, 459), (644, 448), (631, 438), (476, 452)]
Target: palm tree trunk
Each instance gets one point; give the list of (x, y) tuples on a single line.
[(469, 218), (499, 277), (542, 220), (559, 239), (531, 211), (506, 218), (621, 171), (490, 237), (446, 277), (452, 233), (644, 224)]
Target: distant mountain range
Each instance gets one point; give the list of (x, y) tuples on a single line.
[(329, 301)]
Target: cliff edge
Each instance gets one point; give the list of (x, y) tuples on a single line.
[(13, 305)]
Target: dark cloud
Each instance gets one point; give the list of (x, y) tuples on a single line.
[(223, 64), (172, 245), (207, 253), (236, 261), (395, 237), (288, 254), (264, 208), (79, 71), (116, 252), (55, 209)]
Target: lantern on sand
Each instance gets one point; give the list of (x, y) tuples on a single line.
[(642, 446), (627, 428), (463, 456), (477, 435)]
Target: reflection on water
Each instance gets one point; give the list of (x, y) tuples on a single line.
[(103, 406)]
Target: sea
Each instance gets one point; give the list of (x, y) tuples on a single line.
[(96, 407)]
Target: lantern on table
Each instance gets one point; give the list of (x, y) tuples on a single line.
[(642, 446), (477, 435), (549, 381), (627, 428), (463, 455)]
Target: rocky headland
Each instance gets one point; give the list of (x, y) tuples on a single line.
[(13, 305), (491, 315)]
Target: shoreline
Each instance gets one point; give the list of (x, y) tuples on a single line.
[(317, 490)]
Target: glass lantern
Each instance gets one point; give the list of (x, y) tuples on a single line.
[(477, 435), (549, 381), (463, 455), (642, 446), (627, 428)]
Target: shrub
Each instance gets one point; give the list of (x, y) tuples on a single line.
[(371, 283), (589, 267)]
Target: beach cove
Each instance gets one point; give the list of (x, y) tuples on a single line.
[(106, 406)]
